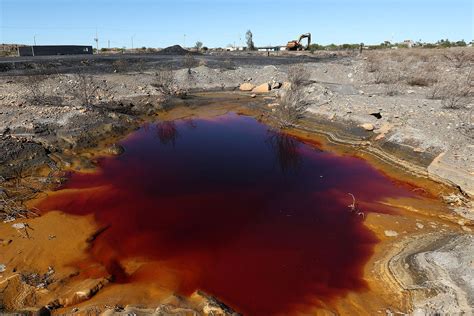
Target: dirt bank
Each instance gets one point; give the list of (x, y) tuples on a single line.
[(423, 259)]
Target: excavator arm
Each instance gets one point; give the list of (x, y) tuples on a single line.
[(296, 44)]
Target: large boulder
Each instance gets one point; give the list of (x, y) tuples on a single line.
[(263, 88)]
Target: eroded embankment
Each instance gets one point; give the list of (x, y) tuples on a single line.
[(393, 230)]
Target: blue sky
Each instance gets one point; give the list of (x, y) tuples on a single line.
[(160, 23)]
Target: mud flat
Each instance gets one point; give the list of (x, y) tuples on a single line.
[(421, 264)]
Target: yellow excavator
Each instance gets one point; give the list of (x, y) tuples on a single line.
[(296, 44)]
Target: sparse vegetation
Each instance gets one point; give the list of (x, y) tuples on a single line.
[(84, 88), (454, 92), (459, 58), (293, 104), (190, 62), (121, 65), (165, 81)]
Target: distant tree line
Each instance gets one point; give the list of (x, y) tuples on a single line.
[(443, 43)]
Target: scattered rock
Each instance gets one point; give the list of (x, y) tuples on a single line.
[(253, 95), (263, 88), (368, 127), (420, 225), (246, 86), (391, 233), (276, 85), (115, 150), (2, 267)]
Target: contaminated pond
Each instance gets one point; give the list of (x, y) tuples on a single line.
[(259, 219)]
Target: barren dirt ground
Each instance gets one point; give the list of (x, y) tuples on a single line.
[(408, 111)]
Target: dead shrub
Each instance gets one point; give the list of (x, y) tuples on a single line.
[(228, 64), (165, 81), (459, 58), (373, 63), (291, 108), (34, 86), (454, 93), (190, 62), (387, 75), (467, 123), (121, 65), (298, 75), (84, 88), (392, 89)]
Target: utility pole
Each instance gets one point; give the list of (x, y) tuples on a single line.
[(184, 43), (34, 39), (132, 41), (108, 44)]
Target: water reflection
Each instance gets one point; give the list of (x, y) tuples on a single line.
[(167, 132), (285, 149)]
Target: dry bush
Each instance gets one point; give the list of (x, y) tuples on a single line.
[(121, 65), (190, 62), (84, 88), (35, 92), (387, 75), (293, 104), (459, 58), (228, 64), (373, 62), (165, 81), (424, 76), (467, 123), (454, 92), (298, 75), (291, 107), (392, 89)]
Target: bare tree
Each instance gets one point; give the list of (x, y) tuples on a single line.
[(249, 38)]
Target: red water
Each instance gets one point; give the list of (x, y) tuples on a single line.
[(254, 217)]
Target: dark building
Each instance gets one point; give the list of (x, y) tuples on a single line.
[(49, 50)]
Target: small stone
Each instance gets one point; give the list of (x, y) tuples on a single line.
[(420, 225), (276, 85), (2, 267), (391, 233), (368, 127), (253, 95), (115, 150), (418, 150)]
